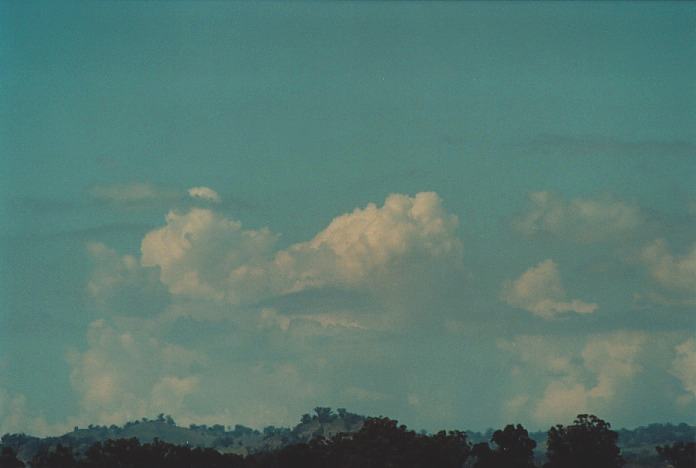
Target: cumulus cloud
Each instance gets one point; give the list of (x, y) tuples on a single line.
[(684, 366), (125, 374), (272, 306), (204, 193), (581, 219), (588, 379), (675, 273), (118, 284), (201, 253), (17, 416), (13, 410), (539, 290)]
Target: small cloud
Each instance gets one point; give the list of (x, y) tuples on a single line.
[(204, 193), (539, 291), (675, 273), (583, 220), (684, 367)]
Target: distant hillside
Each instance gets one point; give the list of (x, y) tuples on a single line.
[(638, 445), (238, 439)]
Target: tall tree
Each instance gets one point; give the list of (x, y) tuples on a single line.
[(588, 442), (679, 455), (514, 449), (8, 459)]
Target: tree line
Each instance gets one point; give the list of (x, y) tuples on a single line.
[(380, 443)]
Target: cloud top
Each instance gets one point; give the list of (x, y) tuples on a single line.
[(201, 253), (539, 290), (204, 193)]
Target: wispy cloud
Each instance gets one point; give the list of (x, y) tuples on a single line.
[(583, 220)]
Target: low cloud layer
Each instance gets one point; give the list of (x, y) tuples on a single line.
[(589, 378), (684, 367), (126, 374)]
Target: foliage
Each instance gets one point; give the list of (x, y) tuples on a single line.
[(588, 442), (679, 455), (514, 449), (8, 458)]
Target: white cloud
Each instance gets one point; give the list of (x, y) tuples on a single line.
[(684, 365), (577, 380), (204, 193), (539, 290), (581, 219), (200, 253), (675, 273), (561, 401), (124, 375)]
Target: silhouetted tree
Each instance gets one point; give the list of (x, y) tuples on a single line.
[(60, 457), (324, 414), (679, 454), (8, 459), (514, 449), (588, 442)]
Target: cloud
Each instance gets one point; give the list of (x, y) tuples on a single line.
[(13, 410), (539, 291), (583, 220), (684, 366), (204, 193), (127, 374), (18, 416), (200, 253), (132, 194), (118, 284), (675, 273), (590, 378)]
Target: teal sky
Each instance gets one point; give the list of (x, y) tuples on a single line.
[(454, 214)]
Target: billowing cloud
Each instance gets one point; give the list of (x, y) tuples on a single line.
[(200, 253), (204, 193), (589, 379), (539, 290), (684, 366), (120, 285), (125, 375), (581, 219)]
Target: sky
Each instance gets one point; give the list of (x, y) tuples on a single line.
[(458, 215)]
